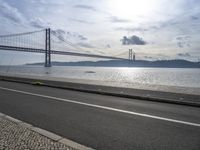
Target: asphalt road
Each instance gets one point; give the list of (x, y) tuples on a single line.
[(103, 122)]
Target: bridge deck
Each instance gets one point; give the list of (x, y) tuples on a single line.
[(35, 50)]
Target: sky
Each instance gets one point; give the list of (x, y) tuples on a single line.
[(154, 29)]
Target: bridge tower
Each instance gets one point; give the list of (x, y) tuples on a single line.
[(47, 48)]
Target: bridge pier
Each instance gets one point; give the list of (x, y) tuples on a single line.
[(47, 48)]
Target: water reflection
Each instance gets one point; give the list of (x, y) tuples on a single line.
[(153, 76)]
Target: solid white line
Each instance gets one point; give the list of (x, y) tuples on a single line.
[(104, 107)]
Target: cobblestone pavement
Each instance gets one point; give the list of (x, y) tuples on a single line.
[(16, 137)]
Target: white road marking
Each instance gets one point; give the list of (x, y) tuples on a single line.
[(104, 107)]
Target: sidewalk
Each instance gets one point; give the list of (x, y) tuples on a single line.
[(18, 135)]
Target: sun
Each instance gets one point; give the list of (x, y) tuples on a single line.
[(131, 8)]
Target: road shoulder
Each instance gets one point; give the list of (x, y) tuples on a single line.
[(158, 96)]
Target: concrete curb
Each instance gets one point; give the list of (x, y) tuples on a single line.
[(46, 133), (105, 90)]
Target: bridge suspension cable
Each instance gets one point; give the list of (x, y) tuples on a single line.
[(19, 34), (41, 42), (64, 44), (33, 39)]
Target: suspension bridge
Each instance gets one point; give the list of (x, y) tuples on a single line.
[(41, 42)]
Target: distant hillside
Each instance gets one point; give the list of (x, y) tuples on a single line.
[(128, 63)]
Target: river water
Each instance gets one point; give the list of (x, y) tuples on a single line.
[(182, 77)]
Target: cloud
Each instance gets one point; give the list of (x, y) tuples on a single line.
[(183, 44), (183, 38), (47, 2), (91, 8), (133, 40), (60, 34), (108, 46), (39, 1), (82, 21), (59, 31), (183, 41), (179, 23), (86, 7), (115, 19), (81, 37), (75, 36), (137, 29), (86, 45), (129, 29), (194, 18), (183, 54), (64, 36), (39, 23), (10, 12)]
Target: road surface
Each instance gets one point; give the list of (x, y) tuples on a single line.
[(103, 122)]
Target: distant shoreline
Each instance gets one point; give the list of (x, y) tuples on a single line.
[(129, 63)]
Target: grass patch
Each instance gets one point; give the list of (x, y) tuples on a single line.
[(38, 83)]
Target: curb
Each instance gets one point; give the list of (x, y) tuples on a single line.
[(100, 90), (46, 133)]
